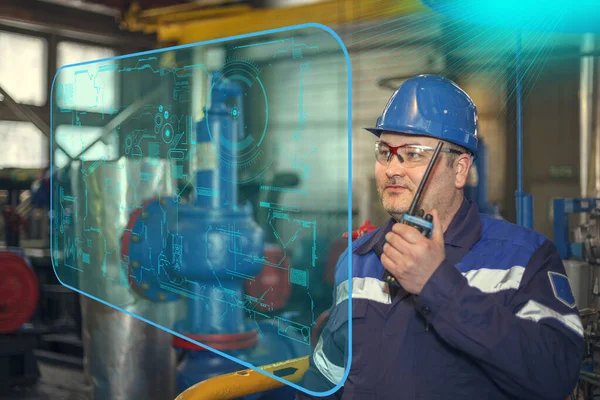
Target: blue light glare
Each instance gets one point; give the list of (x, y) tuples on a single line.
[(571, 16)]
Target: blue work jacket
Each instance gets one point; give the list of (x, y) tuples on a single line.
[(497, 320)]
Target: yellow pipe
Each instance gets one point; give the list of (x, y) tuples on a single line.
[(202, 14), (150, 21), (246, 382), (329, 12), (182, 8)]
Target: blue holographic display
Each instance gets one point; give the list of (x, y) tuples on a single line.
[(188, 201)]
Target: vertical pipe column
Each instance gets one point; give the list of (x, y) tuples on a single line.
[(596, 161), (228, 120), (586, 90), (198, 103), (222, 126), (519, 95), (586, 81), (524, 201)]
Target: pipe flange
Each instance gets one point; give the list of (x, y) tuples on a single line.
[(222, 342), (141, 280)]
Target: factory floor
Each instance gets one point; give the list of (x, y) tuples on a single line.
[(55, 383)]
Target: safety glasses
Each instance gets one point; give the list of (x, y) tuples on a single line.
[(409, 155)]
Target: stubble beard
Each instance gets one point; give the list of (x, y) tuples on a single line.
[(393, 204)]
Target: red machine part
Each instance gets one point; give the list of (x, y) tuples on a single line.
[(339, 246), (361, 231), (224, 342), (275, 277), (19, 291)]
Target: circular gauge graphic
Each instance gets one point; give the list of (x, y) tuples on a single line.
[(167, 133), (237, 91)]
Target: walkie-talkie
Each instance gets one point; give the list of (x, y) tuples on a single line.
[(415, 218)]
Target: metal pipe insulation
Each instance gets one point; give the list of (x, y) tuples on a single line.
[(125, 358), (586, 90), (596, 161)]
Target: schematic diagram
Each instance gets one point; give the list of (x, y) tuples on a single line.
[(189, 211)]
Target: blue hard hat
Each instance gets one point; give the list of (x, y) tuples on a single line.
[(434, 106)]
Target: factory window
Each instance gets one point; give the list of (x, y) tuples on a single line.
[(23, 68), (96, 89), (23, 145), (74, 140)]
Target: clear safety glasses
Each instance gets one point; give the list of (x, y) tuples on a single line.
[(410, 155)]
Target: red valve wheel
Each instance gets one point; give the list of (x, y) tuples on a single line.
[(19, 291)]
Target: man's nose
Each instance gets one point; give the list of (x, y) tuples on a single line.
[(395, 167)]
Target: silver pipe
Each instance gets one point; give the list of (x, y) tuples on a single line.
[(125, 358), (596, 186), (586, 90)]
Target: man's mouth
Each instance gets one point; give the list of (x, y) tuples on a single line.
[(395, 188)]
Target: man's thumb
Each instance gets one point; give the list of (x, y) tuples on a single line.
[(437, 234)]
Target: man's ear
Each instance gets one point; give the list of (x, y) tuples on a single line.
[(462, 165)]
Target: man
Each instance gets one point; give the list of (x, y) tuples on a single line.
[(484, 309)]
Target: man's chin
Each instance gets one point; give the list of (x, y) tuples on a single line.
[(395, 210), (395, 203)]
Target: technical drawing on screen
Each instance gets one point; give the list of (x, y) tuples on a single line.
[(192, 188)]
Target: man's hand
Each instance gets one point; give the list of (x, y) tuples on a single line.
[(411, 257)]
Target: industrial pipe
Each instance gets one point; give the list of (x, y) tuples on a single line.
[(246, 382), (524, 201), (585, 112), (184, 25), (596, 161)]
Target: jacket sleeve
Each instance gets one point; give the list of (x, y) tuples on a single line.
[(327, 364), (529, 341)]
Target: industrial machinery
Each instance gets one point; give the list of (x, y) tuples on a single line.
[(585, 242), (38, 317), (19, 294), (202, 268), (579, 247)]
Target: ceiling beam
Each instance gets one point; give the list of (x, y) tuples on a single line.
[(70, 22), (329, 12)]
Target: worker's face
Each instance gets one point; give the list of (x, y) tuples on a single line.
[(397, 184)]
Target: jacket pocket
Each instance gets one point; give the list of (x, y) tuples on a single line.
[(443, 369), (364, 341)]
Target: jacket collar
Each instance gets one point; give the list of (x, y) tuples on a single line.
[(463, 231)]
